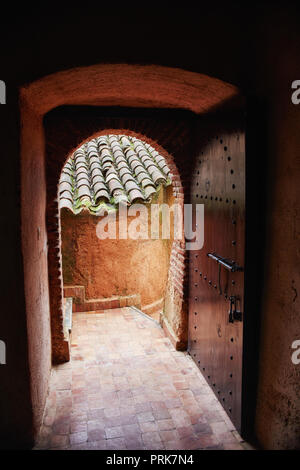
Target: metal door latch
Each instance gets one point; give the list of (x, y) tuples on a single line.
[(234, 314), (228, 264)]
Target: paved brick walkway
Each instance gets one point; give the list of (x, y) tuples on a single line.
[(127, 388)]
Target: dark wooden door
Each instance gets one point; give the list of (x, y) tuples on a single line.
[(216, 290)]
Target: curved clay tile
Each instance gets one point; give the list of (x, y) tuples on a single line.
[(100, 139), (111, 174), (147, 162), (80, 158), (68, 167), (127, 177), (107, 162), (68, 171), (95, 164), (116, 148), (147, 182), (105, 155), (111, 171), (125, 141), (157, 177), (120, 164), (81, 168), (97, 172), (162, 165), (106, 167), (67, 195), (96, 176), (92, 144), (83, 182), (114, 185), (94, 159), (139, 170), (80, 175), (78, 153), (138, 146), (131, 185), (113, 142), (149, 191), (98, 185), (112, 137), (65, 186), (142, 154), (119, 156), (144, 180), (101, 195), (124, 170), (65, 203), (84, 192), (65, 178), (134, 165), (129, 153), (136, 195)]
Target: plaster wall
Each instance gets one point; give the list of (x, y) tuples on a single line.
[(116, 268)]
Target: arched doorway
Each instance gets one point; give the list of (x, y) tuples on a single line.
[(116, 174), (111, 85)]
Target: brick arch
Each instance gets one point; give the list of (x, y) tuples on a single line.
[(177, 268), (151, 86)]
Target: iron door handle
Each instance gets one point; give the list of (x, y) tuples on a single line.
[(230, 265)]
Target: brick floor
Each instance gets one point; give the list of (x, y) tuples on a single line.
[(126, 387)]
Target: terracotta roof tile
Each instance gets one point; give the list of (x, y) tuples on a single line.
[(111, 169)]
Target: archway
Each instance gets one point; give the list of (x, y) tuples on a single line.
[(174, 301), (100, 85)]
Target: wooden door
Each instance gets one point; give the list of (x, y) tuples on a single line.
[(216, 278)]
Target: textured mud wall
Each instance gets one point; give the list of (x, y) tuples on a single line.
[(278, 411), (108, 268), (36, 265)]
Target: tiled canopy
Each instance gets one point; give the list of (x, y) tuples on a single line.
[(111, 169)]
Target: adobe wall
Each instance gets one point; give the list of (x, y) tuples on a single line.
[(278, 405), (115, 268)]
